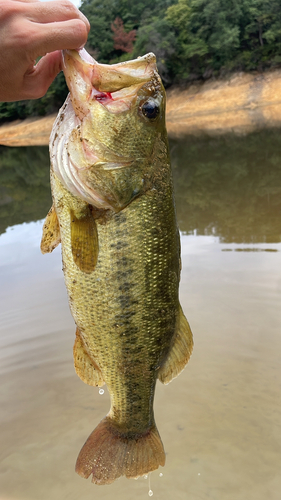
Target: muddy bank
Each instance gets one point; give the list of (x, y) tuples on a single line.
[(29, 132), (239, 104)]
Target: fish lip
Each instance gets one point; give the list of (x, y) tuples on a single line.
[(86, 77), (142, 68)]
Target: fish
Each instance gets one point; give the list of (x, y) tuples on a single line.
[(114, 214)]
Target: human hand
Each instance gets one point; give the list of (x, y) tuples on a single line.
[(30, 29)]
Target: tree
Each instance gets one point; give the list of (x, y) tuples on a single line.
[(260, 33), (157, 37), (122, 40), (100, 38), (207, 33)]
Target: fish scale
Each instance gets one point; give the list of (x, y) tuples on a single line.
[(146, 278)]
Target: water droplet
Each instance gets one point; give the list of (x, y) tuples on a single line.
[(161, 474), (199, 474), (101, 391), (145, 476), (150, 493)]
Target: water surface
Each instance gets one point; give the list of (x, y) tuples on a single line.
[(220, 420)]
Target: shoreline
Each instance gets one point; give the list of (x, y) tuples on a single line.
[(239, 104)]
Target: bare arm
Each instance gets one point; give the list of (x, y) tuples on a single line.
[(29, 29)]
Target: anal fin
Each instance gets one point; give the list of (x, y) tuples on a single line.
[(84, 241), (85, 367), (51, 232), (180, 351)]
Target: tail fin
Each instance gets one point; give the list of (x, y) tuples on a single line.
[(107, 454)]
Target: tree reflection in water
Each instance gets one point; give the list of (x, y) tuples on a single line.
[(25, 186), (227, 186)]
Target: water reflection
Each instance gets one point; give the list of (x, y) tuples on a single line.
[(227, 186), (24, 185), (230, 186), (220, 421)]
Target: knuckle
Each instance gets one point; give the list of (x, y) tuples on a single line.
[(8, 10), (73, 37), (80, 31), (25, 38), (70, 8)]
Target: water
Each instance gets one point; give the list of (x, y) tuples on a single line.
[(220, 420)]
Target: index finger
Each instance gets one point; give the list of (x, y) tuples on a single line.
[(25, 1), (49, 12), (70, 34)]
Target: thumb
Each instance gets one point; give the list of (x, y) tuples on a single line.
[(37, 80)]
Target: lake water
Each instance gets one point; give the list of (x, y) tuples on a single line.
[(220, 420)]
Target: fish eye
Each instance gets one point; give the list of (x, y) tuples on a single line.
[(150, 109)]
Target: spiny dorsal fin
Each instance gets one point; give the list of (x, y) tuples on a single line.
[(84, 241), (51, 232), (180, 351), (85, 367)]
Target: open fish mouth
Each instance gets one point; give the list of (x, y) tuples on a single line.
[(113, 86)]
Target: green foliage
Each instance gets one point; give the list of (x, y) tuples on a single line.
[(156, 37), (261, 33), (215, 36), (142, 15), (192, 39), (100, 39), (207, 34)]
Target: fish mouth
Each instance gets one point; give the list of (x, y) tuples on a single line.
[(113, 86)]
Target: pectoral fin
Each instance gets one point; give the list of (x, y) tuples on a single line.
[(180, 351), (85, 367), (51, 232), (84, 241)]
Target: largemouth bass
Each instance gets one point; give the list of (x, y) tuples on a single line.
[(113, 212)]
